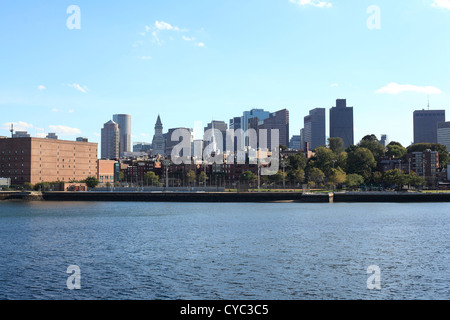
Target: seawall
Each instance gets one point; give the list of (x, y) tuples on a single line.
[(21, 196), (171, 197), (225, 197)]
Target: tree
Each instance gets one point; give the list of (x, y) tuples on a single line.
[(414, 180), (394, 177), (342, 161), (151, 178), (202, 178), (395, 150), (92, 182), (336, 145), (371, 137), (377, 177), (248, 177), (337, 177), (362, 162), (296, 176), (28, 186), (354, 180), (375, 147), (316, 176), (324, 159), (190, 177), (297, 161), (42, 186), (121, 176)]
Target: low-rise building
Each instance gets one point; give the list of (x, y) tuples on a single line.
[(36, 160), (107, 172)]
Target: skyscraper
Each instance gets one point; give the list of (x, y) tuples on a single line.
[(124, 122), (110, 140), (444, 134), (277, 121), (341, 122), (170, 144), (315, 128), (426, 125), (159, 140), (222, 127), (295, 143)]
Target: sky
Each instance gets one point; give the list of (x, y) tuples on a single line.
[(68, 69)]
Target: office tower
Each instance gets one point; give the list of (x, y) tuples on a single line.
[(277, 121), (124, 122), (222, 127), (384, 140), (82, 139), (258, 116), (302, 139), (426, 125), (169, 144), (295, 143), (52, 136), (315, 128), (159, 141), (341, 122), (444, 134), (110, 140), (236, 123)]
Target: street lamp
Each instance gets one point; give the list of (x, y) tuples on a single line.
[(166, 164), (284, 163)]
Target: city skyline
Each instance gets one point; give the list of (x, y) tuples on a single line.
[(172, 60)]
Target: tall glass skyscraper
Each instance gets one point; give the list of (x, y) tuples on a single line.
[(124, 122), (315, 128), (110, 141)]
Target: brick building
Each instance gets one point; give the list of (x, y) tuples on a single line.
[(36, 160)]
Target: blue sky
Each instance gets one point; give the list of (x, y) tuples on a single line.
[(198, 60)]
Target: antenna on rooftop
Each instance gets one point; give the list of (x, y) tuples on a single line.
[(12, 130), (428, 103)]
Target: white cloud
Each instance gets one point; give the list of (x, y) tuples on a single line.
[(76, 86), (335, 85), (161, 25), (41, 87), (200, 44), (146, 58), (395, 88), (188, 38), (63, 130), (441, 4), (18, 126), (71, 111), (314, 3)]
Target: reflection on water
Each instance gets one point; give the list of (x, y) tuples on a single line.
[(224, 251)]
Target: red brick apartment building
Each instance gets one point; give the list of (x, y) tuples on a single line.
[(36, 160)]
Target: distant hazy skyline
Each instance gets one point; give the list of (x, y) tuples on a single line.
[(201, 60)]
